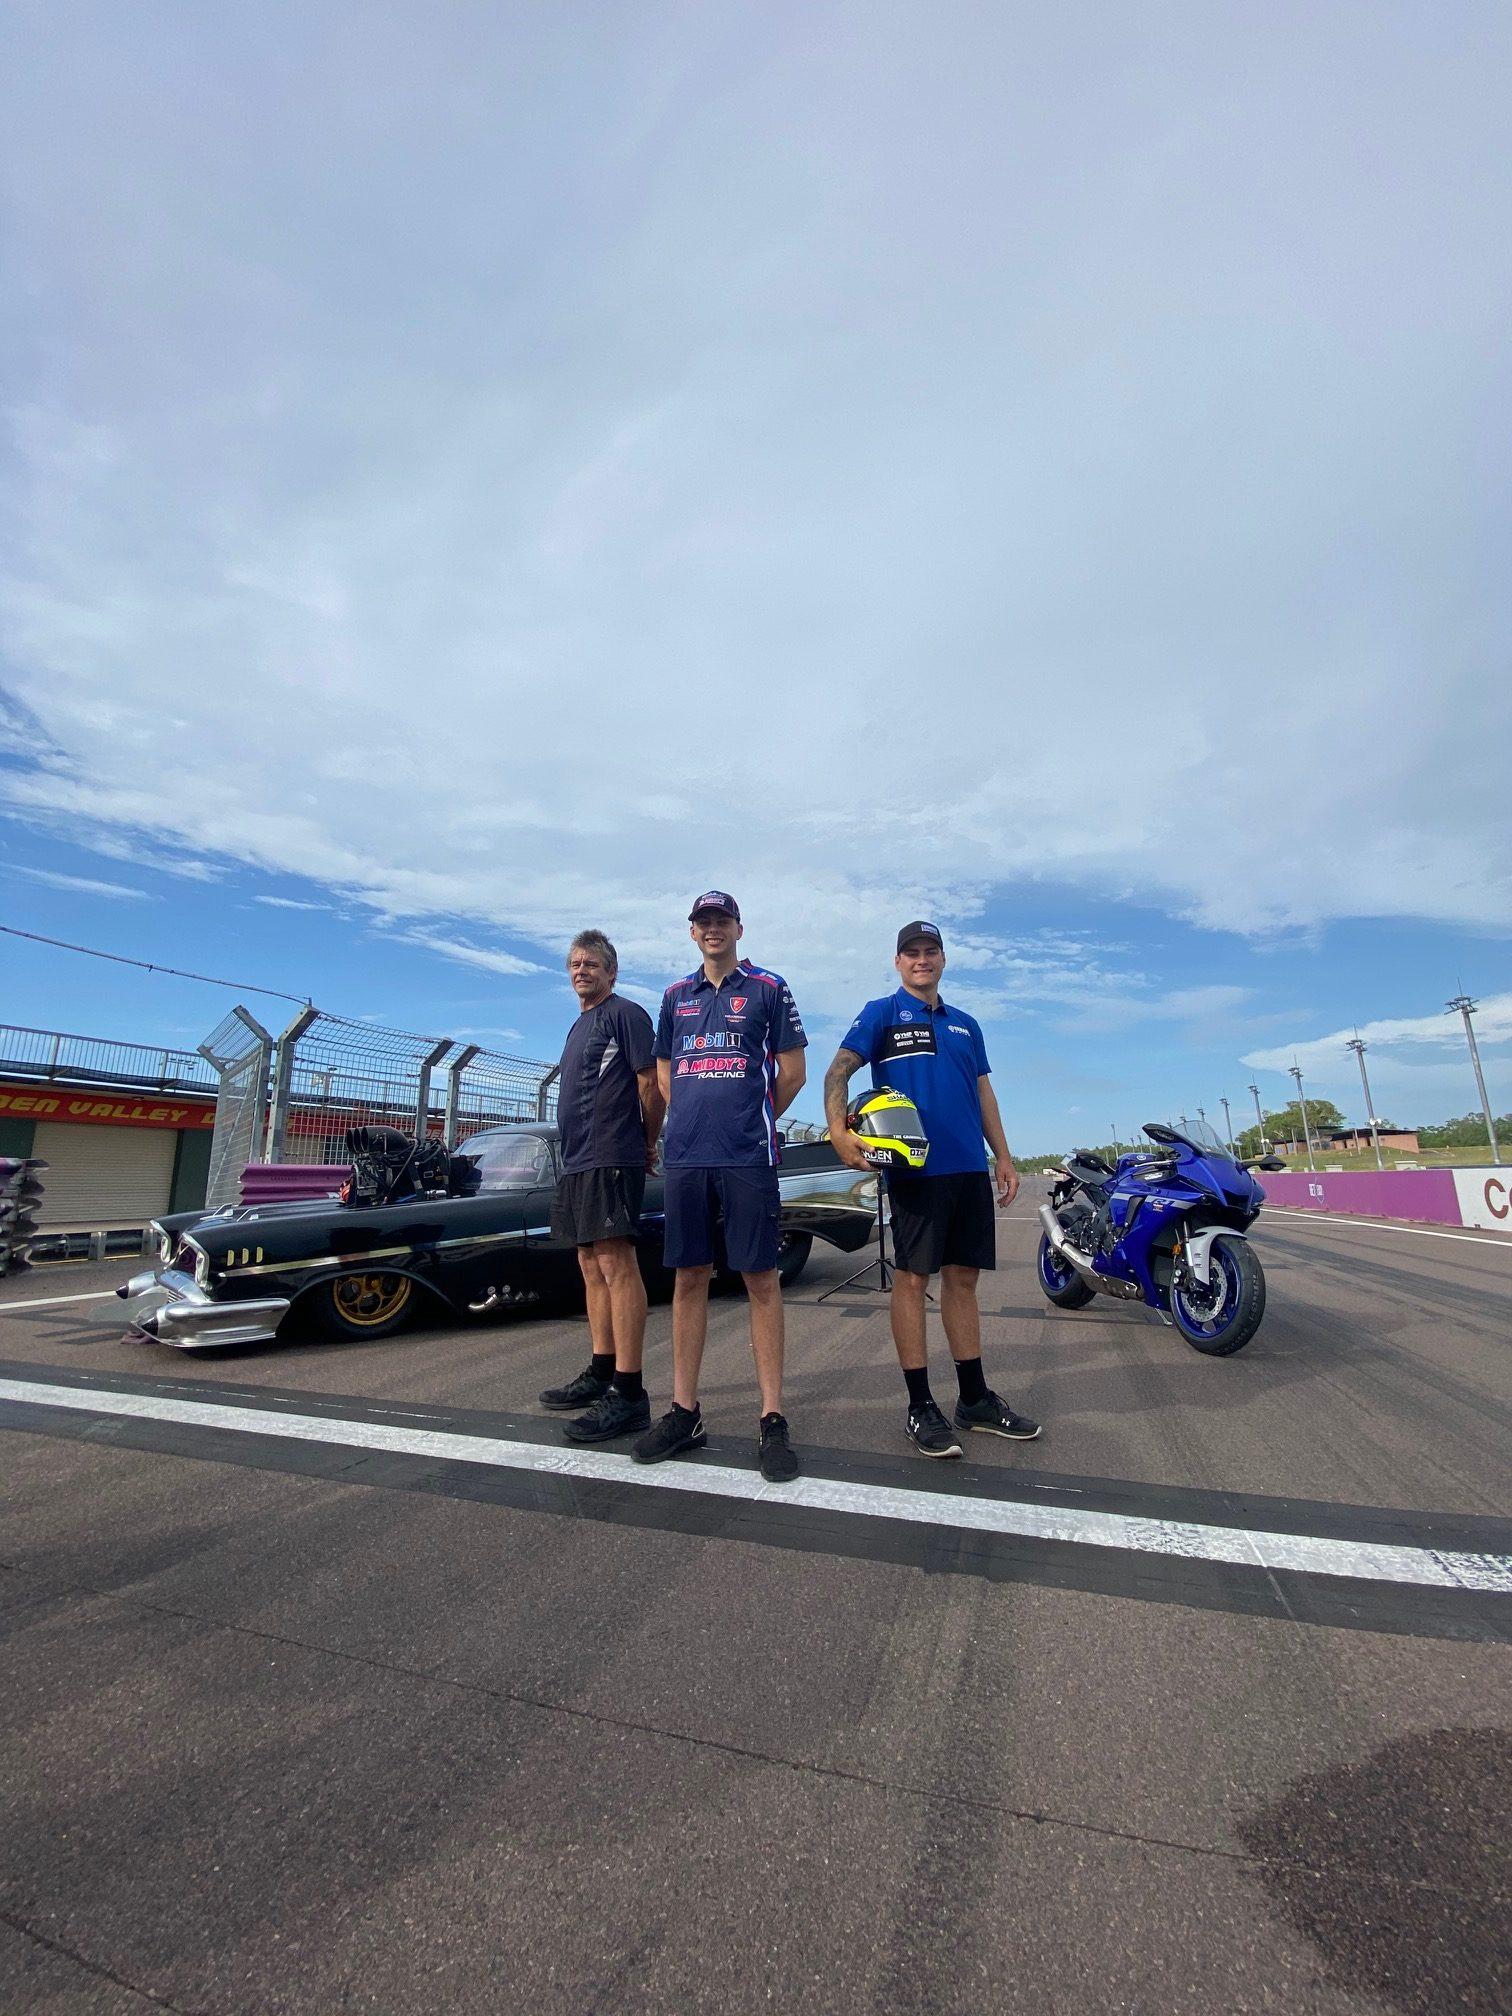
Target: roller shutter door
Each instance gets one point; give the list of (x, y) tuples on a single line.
[(104, 1175)]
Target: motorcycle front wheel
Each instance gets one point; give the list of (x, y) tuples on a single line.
[(1221, 1318), (1059, 1280)]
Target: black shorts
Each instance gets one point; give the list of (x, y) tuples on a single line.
[(598, 1204), (746, 1200), (943, 1221)]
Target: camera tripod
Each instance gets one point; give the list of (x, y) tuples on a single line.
[(882, 1266)]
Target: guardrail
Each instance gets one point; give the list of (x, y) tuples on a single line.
[(53, 1055)]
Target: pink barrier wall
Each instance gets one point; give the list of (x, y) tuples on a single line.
[(291, 1182), (1427, 1194)]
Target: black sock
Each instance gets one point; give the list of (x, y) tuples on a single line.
[(969, 1377), (628, 1383), (602, 1367), (919, 1394), (691, 1412)]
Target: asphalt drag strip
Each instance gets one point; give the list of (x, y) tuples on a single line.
[(1346, 1566)]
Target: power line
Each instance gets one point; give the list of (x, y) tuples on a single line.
[(119, 959)]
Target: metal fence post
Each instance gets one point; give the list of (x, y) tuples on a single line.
[(283, 1076), (428, 1064), (242, 1068), (543, 1090), (454, 1072)]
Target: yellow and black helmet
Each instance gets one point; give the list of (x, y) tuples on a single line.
[(889, 1124)]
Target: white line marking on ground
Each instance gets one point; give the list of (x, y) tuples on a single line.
[(1367, 1561), (56, 1301), (1488, 1240)]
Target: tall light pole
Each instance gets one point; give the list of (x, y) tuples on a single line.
[(1296, 1072), (1259, 1118), (1359, 1050), (1467, 1007), (1228, 1124), (1115, 1140)]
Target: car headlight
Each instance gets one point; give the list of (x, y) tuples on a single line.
[(201, 1264)]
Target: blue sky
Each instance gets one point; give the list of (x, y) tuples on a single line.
[(478, 475)]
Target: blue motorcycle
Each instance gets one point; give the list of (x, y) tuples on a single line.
[(1167, 1228)]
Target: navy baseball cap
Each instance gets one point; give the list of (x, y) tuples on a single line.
[(919, 929), (715, 899)]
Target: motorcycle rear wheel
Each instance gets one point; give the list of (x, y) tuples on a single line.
[(1219, 1329), (1059, 1281)]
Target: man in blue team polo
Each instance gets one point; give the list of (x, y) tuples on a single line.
[(942, 1218), (729, 1055)]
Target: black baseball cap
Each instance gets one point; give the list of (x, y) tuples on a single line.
[(715, 899), (919, 929)]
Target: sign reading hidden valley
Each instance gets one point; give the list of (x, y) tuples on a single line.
[(104, 1109)]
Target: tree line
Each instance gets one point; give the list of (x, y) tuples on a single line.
[(1468, 1131)]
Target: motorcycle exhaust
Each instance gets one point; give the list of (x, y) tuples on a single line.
[(1055, 1232), (1105, 1284)]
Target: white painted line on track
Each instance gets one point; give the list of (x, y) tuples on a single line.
[(1488, 1240), (56, 1301), (1367, 1561)]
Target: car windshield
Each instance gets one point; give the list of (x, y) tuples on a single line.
[(509, 1161)]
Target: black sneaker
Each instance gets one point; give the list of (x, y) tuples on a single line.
[(678, 1430), (778, 1463), (929, 1431), (610, 1415), (991, 1416), (579, 1392)]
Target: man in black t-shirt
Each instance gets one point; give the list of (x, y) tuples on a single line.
[(609, 1114)]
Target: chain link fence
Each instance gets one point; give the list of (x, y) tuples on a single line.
[(291, 1098), (240, 1052)]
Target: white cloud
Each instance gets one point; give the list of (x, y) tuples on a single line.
[(773, 519), (472, 955), (82, 885), (1405, 1038), (1419, 1066), (288, 903)]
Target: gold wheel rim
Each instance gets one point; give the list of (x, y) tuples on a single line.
[(368, 1299)]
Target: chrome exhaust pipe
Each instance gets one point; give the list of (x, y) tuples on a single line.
[(1055, 1232)]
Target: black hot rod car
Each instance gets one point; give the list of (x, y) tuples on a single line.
[(473, 1233)]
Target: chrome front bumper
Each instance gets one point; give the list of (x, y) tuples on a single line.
[(173, 1308)]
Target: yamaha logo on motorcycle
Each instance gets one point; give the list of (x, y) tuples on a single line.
[(1166, 1227)]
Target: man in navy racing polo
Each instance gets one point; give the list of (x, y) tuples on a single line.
[(942, 1218), (729, 1054)]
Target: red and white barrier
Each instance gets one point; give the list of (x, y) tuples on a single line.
[(1477, 1197), (1485, 1198)]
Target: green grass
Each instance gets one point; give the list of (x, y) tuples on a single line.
[(1429, 1158)]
